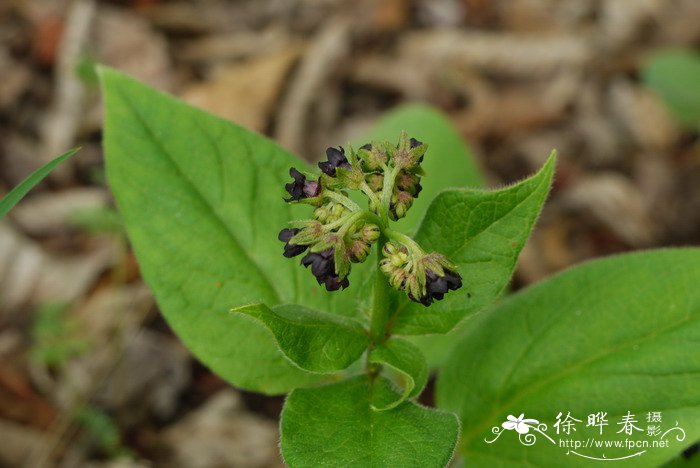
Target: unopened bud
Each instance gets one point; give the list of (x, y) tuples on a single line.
[(400, 203), (409, 152), (358, 250), (370, 233), (322, 213), (409, 183), (375, 182), (373, 156)]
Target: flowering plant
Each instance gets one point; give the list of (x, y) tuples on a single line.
[(203, 202)]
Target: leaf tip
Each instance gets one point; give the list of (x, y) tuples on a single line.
[(241, 309), (551, 160)]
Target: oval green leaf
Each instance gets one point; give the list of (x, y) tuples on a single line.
[(334, 425), (202, 204), (615, 335)]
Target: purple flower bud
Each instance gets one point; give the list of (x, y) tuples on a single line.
[(301, 187), (336, 159), (409, 182), (415, 144), (291, 250), (437, 286), (323, 268)]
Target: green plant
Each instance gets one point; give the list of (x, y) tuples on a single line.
[(610, 341), (56, 336), (102, 431), (675, 76), (202, 205), (16, 194)]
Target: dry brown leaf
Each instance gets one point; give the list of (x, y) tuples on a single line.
[(615, 202), (223, 433), (510, 54), (126, 41), (30, 276), (244, 93)]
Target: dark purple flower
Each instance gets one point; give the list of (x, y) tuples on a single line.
[(336, 159), (291, 250), (301, 187), (410, 183), (437, 286), (323, 268), (415, 144)]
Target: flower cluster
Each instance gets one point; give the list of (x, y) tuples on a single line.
[(340, 232), (424, 277), (336, 236), (404, 161)]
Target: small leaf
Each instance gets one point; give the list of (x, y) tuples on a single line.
[(314, 341), (614, 335), (406, 359), (334, 425), (675, 75), (482, 232), (448, 162), (17, 193)]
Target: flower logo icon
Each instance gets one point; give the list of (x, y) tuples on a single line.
[(521, 425)]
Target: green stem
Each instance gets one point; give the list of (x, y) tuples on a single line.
[(342, 199), (348, 220), (405, 240), (387, 191), (381, 306), (351, 221), (338, 222), (368, 191)]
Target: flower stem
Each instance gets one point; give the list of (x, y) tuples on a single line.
[(342, 199), (381, 306), (351, 220), (387, 191), (405, 240), (368, 191)]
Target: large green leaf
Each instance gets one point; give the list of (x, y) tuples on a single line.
[(334, 425), (17, 193), (315, 341), (675, 76), (202, 203), (482, 232), (615, 335), (406, 359), (448, 162)]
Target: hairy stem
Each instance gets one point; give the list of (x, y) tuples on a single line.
[(405, 240), (381, 303), (370, 194), (387, 191), (342, 199)]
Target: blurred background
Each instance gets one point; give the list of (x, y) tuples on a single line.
[(90, 374)]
